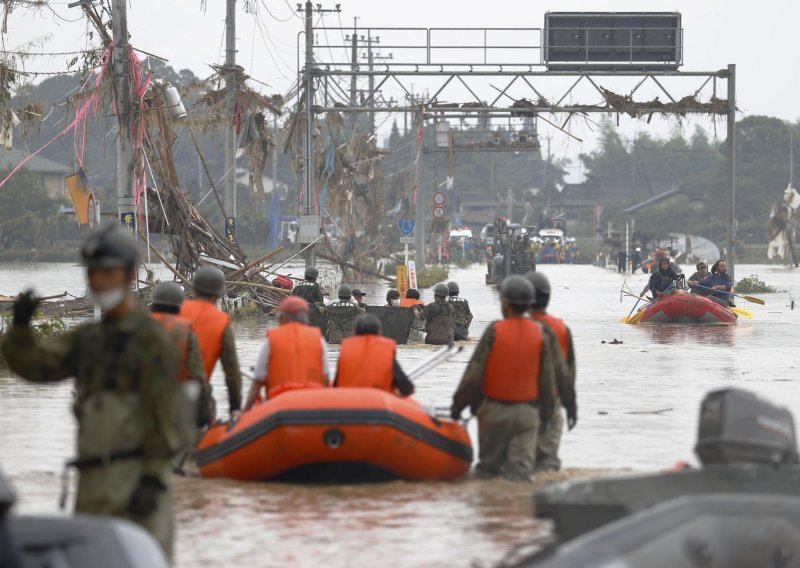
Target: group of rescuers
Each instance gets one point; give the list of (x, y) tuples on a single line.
[(143, 392), (716, 283), (441, 322)]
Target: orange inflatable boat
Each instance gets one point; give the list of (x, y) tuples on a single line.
[(336, 434)]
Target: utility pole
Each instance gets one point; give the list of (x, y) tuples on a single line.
[(732, 168), (371, 87), (421, 203), (354, 78), (230, 111), (121, 64), (308, 151), (547, 176)]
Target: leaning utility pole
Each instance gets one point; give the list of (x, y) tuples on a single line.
[(732, 169), (121, 65), (354, 79), (230, 118), (371, 97)]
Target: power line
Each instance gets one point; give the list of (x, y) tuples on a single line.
[(274, 17)]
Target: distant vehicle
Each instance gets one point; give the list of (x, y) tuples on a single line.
[(552, 250), (487, 234)]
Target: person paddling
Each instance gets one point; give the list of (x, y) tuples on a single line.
[(662, 279), (720, 280)]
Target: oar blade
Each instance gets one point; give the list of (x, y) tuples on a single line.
[(754, 300), (742, 312)]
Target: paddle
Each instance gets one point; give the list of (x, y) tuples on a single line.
[(627, 318), (439, 357), (635, 319), (742, 312), (751, 299)]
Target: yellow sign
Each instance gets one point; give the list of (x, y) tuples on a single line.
[(79, 192), (402, 279)]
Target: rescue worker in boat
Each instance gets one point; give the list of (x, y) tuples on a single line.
[(439, 318), (129, 401), (165, 306), (342, 316), (510, 384), (214, 336), (309, 289), (368, 360), (293, 355), (358, 296), (463, 315), (392, 299), (549, 440), (661, 280), (695, 279), (417, 332), (719, 281)]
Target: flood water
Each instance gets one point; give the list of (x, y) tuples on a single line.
[(638, 405)]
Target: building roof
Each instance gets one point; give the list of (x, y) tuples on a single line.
[(36, 164)]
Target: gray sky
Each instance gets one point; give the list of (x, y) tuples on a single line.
[(760, 38)]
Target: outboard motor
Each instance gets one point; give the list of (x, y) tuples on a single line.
[(737, 426), (9, 555), (73, 542), (741, 509)]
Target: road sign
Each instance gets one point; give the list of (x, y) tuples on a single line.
[(406, 227), (438, 212), (402, 279), (309, 228), (406, 240), (439, 198), (412, 274), (91, 212)]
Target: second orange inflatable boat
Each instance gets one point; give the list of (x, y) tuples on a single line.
[(336, 434)]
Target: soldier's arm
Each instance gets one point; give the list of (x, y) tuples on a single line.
[(401, 381), (318, 297), (564, 385), (165, 427), (469, 391), (547, 382), (571, 366), (233, 374), (469, 313), (37, 360)]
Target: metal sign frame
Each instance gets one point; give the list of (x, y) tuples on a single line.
[(492, 59)]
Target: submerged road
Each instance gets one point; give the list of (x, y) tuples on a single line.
[(638, 405)]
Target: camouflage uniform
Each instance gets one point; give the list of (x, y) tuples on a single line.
[(463, 317), (128, 407), (507, 433), (342, 316), (439, 322), (311, 292)]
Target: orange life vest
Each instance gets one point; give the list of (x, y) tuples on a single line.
[(178, 329), (209, 324), (512, 370), (408, 302), (366, 361), (558, 327), (295, 358)]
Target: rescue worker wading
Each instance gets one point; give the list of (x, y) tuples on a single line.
[(293, 355), (342, 316), (166, 303), (439, 318), (463, 315), (510, 384), (418, 324), (549, 440), (309, 290), (214, 335), (368, 360), (129, 400)]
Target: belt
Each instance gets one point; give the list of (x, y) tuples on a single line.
[(533, 403), (88, 463)]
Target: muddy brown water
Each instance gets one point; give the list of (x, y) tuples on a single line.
[(638, 406)]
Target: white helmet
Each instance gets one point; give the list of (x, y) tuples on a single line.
[(638, 249)]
